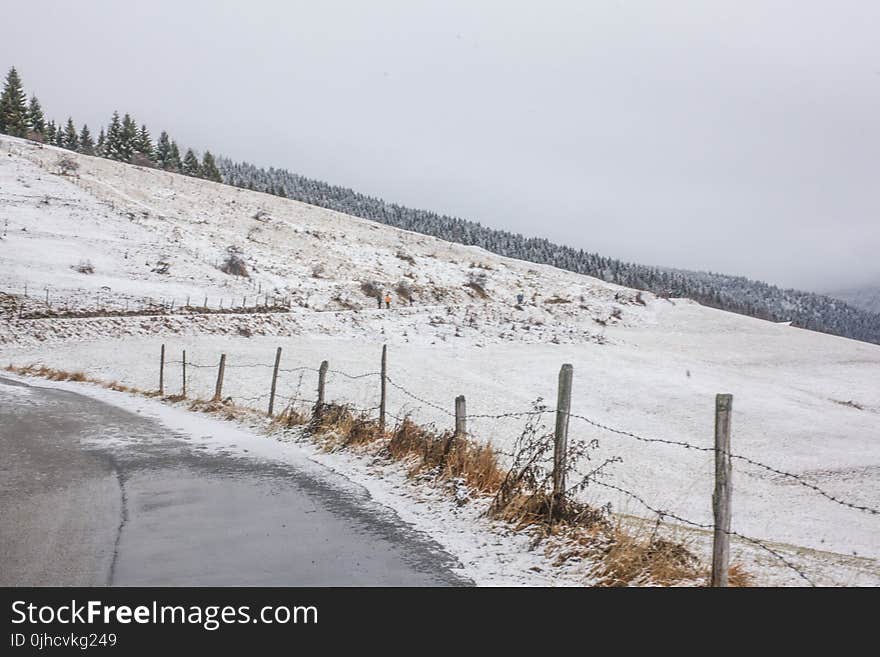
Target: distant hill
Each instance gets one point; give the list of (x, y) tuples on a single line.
[(733, 293), (866, 298)]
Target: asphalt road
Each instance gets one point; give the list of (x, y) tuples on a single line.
[(80, 508)]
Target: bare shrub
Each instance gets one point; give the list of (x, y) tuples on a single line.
[(477, 282), (404, 290), (234, 264), (526, 497), (403, 255), (141, 160), (344, 302), (318, 270), (84, 267), (67, 165), (371, 288)]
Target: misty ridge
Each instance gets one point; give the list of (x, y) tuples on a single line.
[(122, 140)]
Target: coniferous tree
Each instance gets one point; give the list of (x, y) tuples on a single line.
[(113, 148), (49, 133), (36, 120), (191, 165), (86, 144), (209, 168), (144, 143), (13, 107), (128, 138), (163, 151), (101, 145), (175, 163), (71, 139)]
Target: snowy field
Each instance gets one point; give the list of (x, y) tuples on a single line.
[(804, 402)]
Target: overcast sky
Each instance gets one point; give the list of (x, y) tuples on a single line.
[(737, 136)]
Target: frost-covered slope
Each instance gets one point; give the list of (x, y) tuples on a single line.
[(131, 224), (804, 402)]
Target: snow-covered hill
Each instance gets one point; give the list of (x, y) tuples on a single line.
[(866, 297), (804, 402), (129, 224)]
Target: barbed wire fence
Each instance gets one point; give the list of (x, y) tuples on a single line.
[(378, 381)]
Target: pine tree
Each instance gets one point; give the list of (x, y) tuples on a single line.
[(36, 120), (144, 143), (113, 147), (175, 164), (101, 146), (191, 165), (13, 107), (86, 145), (209, 168), (128, 138), (71, 139), (163, 151), (49, 133)]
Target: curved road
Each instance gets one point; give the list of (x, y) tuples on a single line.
[(80, 508)]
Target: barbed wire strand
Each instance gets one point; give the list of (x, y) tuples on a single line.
[(668, 514)]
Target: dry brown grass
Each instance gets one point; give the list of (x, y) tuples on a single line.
[(338, 426), (51, 373), (629, 556), (452, 457), (289, 417), (538, 508), (632, 558), (63, 375), (223, 408)]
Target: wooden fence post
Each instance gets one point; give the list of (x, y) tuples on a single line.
[(723, 489), (274, 379), (162, 371), (460, 413), (218, 389), (322, 377), (183, 390), (560, 446), (205, 305), (382, 388)]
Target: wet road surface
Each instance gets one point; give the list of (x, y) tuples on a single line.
[(94, 495)]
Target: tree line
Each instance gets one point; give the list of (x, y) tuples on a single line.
[(122, 140), (125, 142)]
